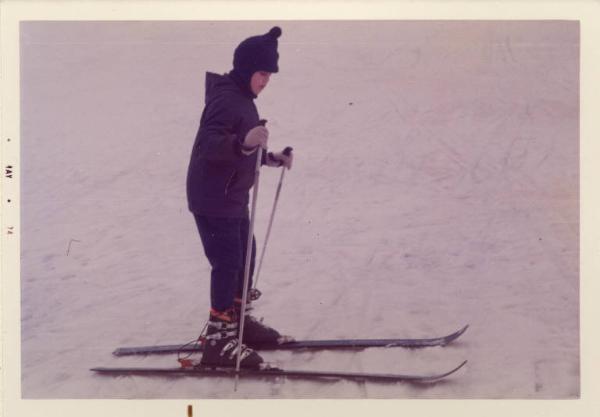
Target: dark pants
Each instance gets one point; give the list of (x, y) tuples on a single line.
[(225, 241)]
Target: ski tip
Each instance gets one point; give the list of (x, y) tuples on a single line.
[(451, 371), (452, 337), (460, 332), (461, 365)]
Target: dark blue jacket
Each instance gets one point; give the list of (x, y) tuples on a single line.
[(219, 174)]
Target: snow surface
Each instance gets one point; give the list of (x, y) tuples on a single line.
[(435, 184)]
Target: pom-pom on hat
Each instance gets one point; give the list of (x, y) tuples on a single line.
[(257, 53)]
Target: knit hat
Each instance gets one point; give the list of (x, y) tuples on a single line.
[(257, 53)]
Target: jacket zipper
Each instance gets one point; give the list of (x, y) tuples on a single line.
[(229, 182)]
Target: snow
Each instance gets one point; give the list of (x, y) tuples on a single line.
[(435, 184)]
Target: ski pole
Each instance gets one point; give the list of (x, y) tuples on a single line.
[(286, 152), (259, 154)]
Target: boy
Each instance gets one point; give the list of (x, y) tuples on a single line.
[(220, 175)]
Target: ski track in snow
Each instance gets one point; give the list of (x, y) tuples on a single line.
[(435, 185)]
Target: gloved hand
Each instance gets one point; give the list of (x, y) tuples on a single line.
[(256, 137), (278, 159)]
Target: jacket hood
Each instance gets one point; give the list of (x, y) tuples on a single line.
[(217, 84)]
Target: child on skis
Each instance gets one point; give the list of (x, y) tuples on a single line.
[(220, 174)]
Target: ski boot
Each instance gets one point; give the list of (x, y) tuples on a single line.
[(256, 333), (221, 343)]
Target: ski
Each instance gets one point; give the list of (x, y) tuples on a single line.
[(301, 344), (204, 371)]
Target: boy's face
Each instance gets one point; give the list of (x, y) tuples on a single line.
[(259, 81)]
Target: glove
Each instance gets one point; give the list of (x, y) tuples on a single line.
[(256, 137), (278, 159)]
